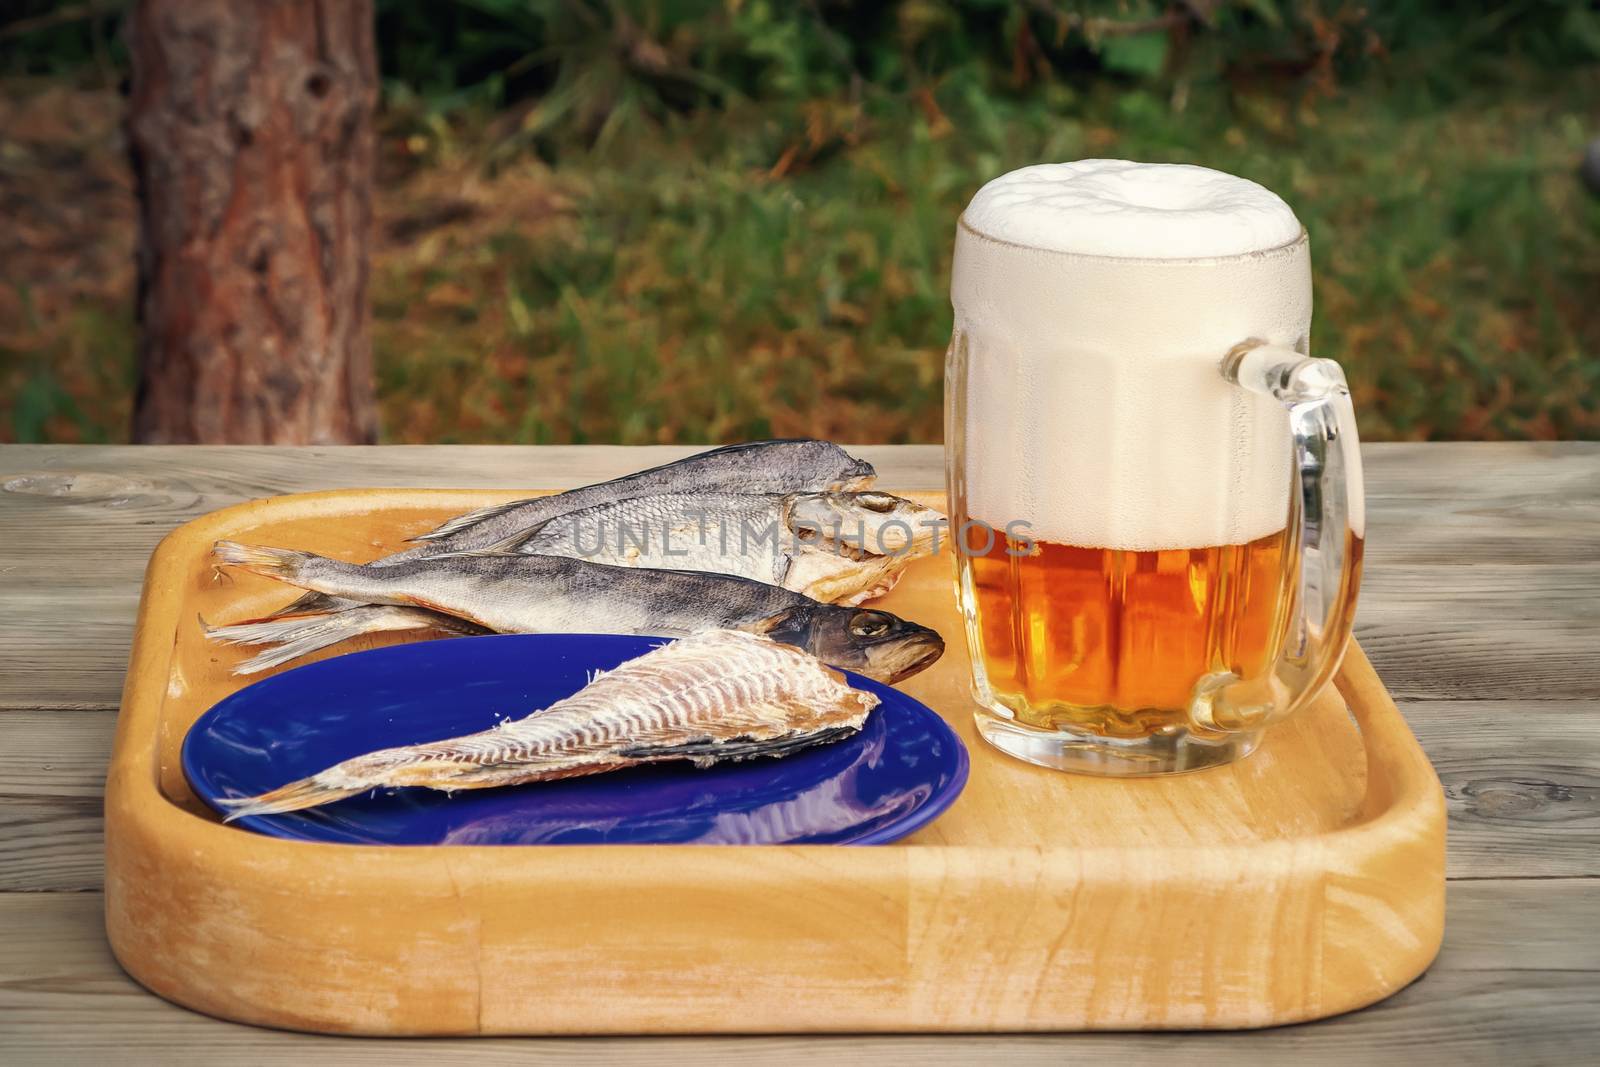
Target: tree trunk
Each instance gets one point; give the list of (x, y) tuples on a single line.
[(250, 126)]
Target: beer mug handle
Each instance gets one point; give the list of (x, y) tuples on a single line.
[(1326, 525)]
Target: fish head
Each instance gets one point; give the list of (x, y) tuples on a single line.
[(859, 524), (881, 646), (819, 464), (856, 474)]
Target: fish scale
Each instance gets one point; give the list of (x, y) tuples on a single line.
[(778, 466), (783, 539), (720, 695), (556, 594)]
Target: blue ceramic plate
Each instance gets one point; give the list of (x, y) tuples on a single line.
[(895, 776)]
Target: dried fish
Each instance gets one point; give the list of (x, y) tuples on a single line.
[(779, 466), (558, 594), (721, 696), (836, 547)]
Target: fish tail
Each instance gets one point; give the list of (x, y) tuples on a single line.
[(290, 639), (296, 796), (278, 655), (385, 768), (281, 563), (268, 631), (302, 635)]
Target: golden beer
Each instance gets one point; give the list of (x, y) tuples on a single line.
[(1156, 490), (1112, 641)]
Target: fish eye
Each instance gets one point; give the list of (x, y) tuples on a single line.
[(870, 624), (882, 503)]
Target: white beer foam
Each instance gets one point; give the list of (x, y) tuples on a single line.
[(1096, 410), (1113, 207)]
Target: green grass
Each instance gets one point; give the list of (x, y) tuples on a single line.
[(782, 269), (689, 295)]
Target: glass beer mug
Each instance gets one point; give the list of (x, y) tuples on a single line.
[(1156, 494)]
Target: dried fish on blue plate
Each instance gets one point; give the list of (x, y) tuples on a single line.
[(720, 696)]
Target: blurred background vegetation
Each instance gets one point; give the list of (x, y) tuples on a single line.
[(697, 220)]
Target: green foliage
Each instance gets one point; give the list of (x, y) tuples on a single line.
[(692, 293), (709, 219), (1141, 54), (71, 387), (61, 37), (589, 69)]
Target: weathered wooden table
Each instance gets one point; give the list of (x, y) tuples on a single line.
[(1481, 610)]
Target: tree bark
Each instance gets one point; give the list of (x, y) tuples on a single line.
[(250, 126)]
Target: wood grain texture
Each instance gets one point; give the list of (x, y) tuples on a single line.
[(1517, 989), (1462, 537), (1523, 799), (1303, 882), (78, 524)]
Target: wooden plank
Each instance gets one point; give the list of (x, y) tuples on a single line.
[(1529, 664), (1485, 512), (1466, 655), (1521, 780), (140, 482), (1430, 504), (1532, 503), (77, 525), (1513, 985), (52, 776), (1501, 924), (51, 843), (54, 754), (70, 652)]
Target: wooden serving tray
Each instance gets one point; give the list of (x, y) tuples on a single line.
[(1304, 881)]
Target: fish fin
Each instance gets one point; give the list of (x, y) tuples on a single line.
[(883, 588), (253, 631), (273, 562), (470, 518), (286, 652), (775, 621), (278, 631), (311, 602), (505, 547), (301, 636), (705, 752), (305, 793), (361, 618)]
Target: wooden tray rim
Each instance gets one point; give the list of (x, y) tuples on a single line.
[(1403, 799), (1399, 774)]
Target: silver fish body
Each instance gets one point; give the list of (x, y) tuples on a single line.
[(716, 697), (558, 594), (778, 466), (754, 467), (840, 547), (724, 533), (836, 547)]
